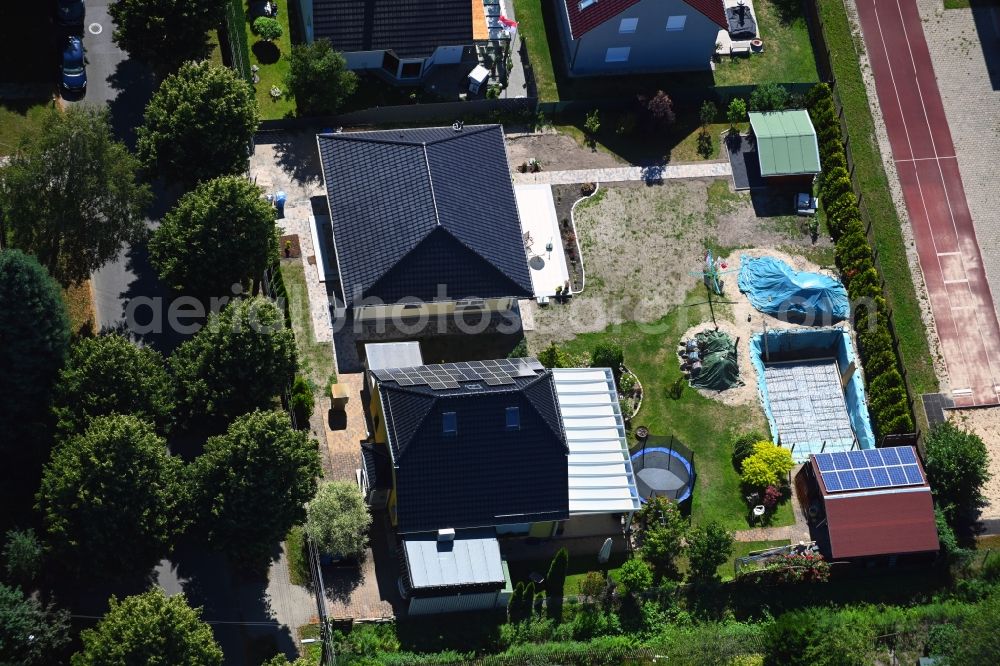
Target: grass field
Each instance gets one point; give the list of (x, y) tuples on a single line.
[(902, 296), (788, 53), (706, 426), (18, 118), (315, 358), (676, 143)]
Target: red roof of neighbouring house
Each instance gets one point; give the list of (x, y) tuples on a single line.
[(865, 525), (582, 21)]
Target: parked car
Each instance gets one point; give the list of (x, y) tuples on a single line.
[(70, 12), (74, 69)]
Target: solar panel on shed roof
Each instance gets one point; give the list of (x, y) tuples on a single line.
[(871, 469)]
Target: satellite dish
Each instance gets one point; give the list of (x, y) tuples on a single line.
[(605, 553)]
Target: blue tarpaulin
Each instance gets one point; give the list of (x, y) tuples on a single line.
[(773, 287)]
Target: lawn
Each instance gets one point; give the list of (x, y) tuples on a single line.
[(886, 225), (18, 118), (298, 560), (312, 653), (272, 59), (315, 358), (579, 567), (788, 53), (704, 425)]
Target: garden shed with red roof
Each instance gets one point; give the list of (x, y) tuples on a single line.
[(870, 503), (633, 36)]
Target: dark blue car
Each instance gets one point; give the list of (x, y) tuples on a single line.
[(74, 71)]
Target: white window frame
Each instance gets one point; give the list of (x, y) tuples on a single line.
[(628, 26), (612, 55), (681, 18)]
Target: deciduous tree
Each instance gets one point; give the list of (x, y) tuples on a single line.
[(708, 547), (635, 576), (957, 469), (769, 97), (34, 336), (252, 483), (109, 374), (240, 361), (112, 498), (30, 633), (337, 519), (198, 124), (70, 195), (318, 78), (662, 530), (220, 234), (22, 557), (165, 33), (149, 628)]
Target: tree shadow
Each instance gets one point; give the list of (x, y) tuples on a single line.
[(135, 83), (267, 53), (298, 156)]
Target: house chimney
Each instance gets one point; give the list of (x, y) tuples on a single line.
[(446, 534)]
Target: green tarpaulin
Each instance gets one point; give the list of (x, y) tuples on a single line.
[(719, 365)]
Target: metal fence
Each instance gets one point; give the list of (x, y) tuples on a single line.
[(236, 38), (824, 60)]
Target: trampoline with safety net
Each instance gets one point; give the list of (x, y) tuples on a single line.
[(663, 468)]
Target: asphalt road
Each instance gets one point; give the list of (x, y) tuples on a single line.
[(125, 86)]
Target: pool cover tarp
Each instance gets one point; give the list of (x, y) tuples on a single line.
[(773, 287), (719, 365)]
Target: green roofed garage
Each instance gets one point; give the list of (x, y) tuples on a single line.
[(786, 143)]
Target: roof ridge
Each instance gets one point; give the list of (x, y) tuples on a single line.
[(431, 400), (470, 249), (366, 136), (561, 434), (430, 181)]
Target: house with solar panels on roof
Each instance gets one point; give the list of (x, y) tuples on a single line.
[(469, 457), (632, 36), (869, 505), (423, 226), (401, 40)]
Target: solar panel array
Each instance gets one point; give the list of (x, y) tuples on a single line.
[(450, 375), (870, 469)]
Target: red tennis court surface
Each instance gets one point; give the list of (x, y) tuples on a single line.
[(935, 199)]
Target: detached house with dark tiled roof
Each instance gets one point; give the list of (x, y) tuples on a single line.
[(424, 222), (400, 39), (632, 36), (464, 453)]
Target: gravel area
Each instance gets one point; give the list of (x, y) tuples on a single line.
[(642, 243)]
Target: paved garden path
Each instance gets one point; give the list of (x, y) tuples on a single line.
[(648, 174)]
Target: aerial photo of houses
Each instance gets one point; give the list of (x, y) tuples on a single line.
[(499, 332)]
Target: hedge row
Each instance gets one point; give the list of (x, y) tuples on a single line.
[(887, 402)]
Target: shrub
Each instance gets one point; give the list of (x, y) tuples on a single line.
[(660, 108), (592, 125), (22, 557), (635, 576), (302, 402), (593, 585), (768, 465), (608, 355), (337, 519), (737, 112), (707, 113), (705, 145), (769, 97), (661, 531), (553, 357), (268, 28), (772, 495), (743, 447)]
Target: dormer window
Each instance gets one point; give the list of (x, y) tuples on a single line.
[(513, 418), (449, 423), (586, 3)]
